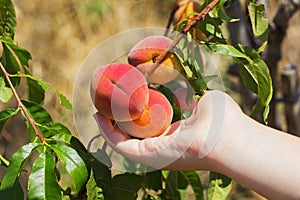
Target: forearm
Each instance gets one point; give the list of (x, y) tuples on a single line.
[(262, 158)]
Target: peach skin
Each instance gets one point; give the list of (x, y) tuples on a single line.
[(154, 120), (119, 91), (143, 55)]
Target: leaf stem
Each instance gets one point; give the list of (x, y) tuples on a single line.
[(196, 19), (4, 161), (21, 105)]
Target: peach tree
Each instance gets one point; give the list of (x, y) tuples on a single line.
[(58, 164)]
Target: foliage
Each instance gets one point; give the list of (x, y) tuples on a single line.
[(61, 167)]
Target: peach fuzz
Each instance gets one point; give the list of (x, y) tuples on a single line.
[(180, 99), (154, 120), (143, 55), (119, 91)]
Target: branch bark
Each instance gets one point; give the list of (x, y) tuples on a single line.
[(273, 53)]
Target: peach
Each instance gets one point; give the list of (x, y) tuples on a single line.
[(154, 120), (180, 99), (143, 55), (119, 91)]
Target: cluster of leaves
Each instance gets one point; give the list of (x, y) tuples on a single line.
[(254, 72), (58, 164)]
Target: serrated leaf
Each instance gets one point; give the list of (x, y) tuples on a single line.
[(64, 101), (6, 115), (94, 192), (73, 163), (8, 20), (5, 92), (125, 189), (15, 165), (194, 181), (219, 186), (42, 182)]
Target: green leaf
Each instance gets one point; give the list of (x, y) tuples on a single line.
[(127, 185), (63, 100), (8, 21), (102, 176), (153, 180), (194, 181), (36, 89), (94, 192), (42, 182), (54, 128), (227, 50), (10, 64), (15, 165), (259, 24), (23, 55), (225, 17), (219, 186), (176, 185), (40, 116), (6, 115), (13, 193), (259, 71), (210, 26), (73, 163), (255, 73), (44, 85), (5, 92)]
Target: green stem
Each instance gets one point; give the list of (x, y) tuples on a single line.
[(21, 105), (4, 161)]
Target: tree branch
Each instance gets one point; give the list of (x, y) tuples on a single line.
[(20, 104), (191, 24)]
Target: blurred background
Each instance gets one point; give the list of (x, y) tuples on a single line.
[(60, 34)]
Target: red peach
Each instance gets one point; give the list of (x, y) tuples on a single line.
[(180, 99), (143, 55), (154, 120), (119, 91)]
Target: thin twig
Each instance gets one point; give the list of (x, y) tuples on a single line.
[(21, 105), (191, 24)]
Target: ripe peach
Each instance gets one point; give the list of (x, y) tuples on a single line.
[(119, 91), (180, 99), (143, 55), (154, 120)]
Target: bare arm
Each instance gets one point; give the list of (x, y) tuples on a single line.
[(220, 137), (262, 158)]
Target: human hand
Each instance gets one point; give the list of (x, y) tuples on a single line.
[(186, 144)]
